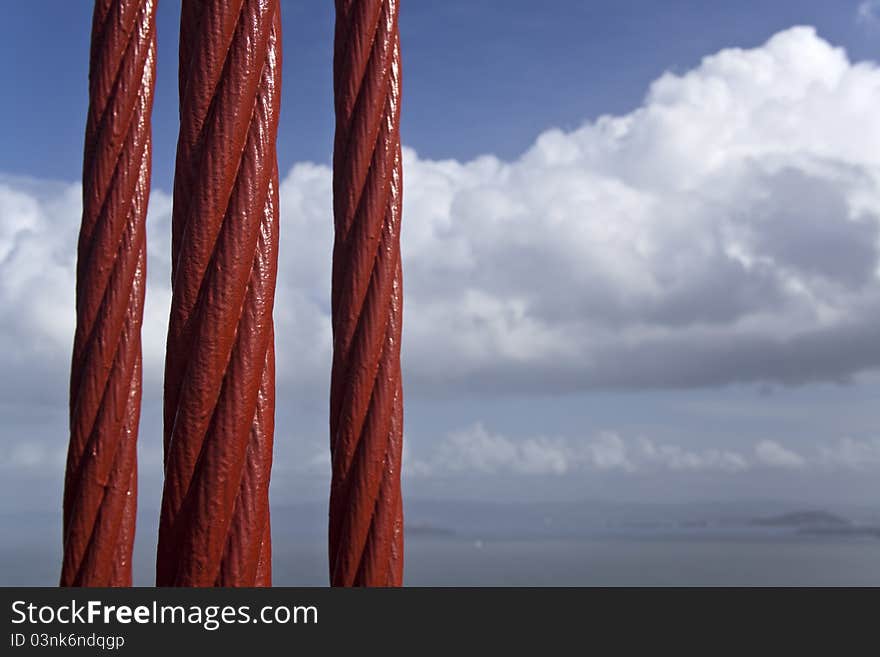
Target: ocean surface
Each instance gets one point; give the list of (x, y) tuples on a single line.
[(647, 561), (639, 559)]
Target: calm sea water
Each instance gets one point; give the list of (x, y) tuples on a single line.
[(647, 561), (637, 560)]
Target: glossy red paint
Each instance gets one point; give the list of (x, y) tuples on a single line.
[(100, 485), (220, 360), (366, 395)]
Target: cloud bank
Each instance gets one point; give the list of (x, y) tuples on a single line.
[(475, 450), (725, 231)]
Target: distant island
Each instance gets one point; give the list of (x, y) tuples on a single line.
[(804, 520), (817, 523)]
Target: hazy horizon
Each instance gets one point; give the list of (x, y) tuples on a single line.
[(459, 543)]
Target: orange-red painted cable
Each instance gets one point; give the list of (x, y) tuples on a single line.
[(100, 486), (366, 397), (219, 370)]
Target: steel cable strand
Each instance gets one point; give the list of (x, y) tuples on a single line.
[(100, 487), (366, 404), (219, 370)]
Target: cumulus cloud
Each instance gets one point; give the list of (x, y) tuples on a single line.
[(771, 453), (851, 453), (675, 457), (476, 450), (727, 230), (39, 223)]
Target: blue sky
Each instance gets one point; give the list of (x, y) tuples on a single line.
[(481, 76), (676, 301)]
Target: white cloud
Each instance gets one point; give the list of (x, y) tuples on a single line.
[(39, 222), (727, 230), (851, 454), (476, 450), (607, 451), (675, 457), (771, 453)]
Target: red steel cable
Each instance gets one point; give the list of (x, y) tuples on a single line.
[(366, 397), (100, 485), (220, 358)]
